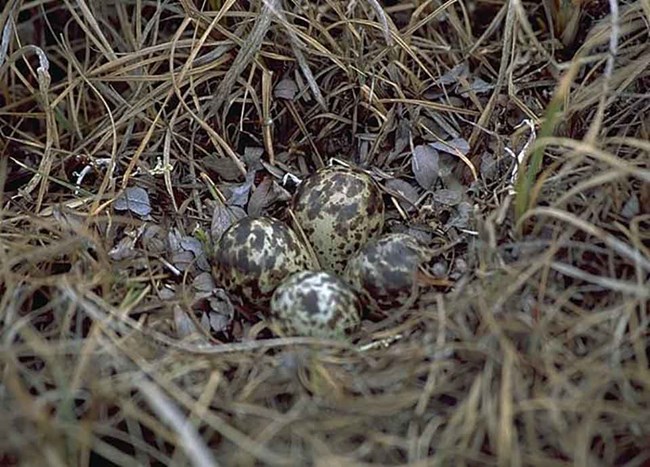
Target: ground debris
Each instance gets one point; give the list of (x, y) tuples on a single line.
[(509, 138)]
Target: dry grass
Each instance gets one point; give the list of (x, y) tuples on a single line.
[(537, 354)]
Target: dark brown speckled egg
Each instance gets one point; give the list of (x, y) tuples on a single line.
[(339, 209), (316, 304), (384, 271), (254, 256)]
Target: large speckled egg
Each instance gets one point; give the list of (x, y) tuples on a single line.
[(384, 271), (339, 209), (254, 255), (316, 304)]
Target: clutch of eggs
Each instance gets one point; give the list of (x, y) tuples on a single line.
[(341, 212), (263, 262)]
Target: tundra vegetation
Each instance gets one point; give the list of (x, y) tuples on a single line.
[(509, 137)]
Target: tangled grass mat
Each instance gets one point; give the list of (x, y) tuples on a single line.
[(509, 136)]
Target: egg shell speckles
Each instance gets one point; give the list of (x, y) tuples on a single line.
[(339, 209), (315, 304), (255, 255), (384, 271)]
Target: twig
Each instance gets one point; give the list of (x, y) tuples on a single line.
[(596, 124), (189, 439), (614, 243), (250, 47)]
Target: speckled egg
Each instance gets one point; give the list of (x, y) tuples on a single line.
[(384, 271), (316, 304), (254, 255), (339, 209)]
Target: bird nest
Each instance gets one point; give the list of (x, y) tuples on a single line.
[(510, 138)]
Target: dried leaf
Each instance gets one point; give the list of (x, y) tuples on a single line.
[(452, 146), (452, 75), (166, 293), (185, 327), (274, 170), (181, 259), (488, 166), (423, 236), (631, 207), (462, 216), (204, 282), (286, 89), (218, 322), (448, 197), (134, 199), (259, 198), (480, 86), (265, 194), (225, 167), (406, 191), (125, 248), (195, 246), (252, 158), (205, 322), (446, 165), (222, 218), (174, 240), (434, 127), (425, 165), (239, 194), (184, 250), (401, 136), (222, 312), (153, 239)]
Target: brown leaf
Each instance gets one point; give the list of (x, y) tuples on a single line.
[(222, 218), (225, 167), (452, 146), (286, 89), (406, 191), (252, 158), (185, 327), (239, 194), (448, 197), (222, 312), (266, 193), (135, 199), (425, 165), (203, 282)]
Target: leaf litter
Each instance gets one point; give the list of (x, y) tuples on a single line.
[(529, 342), (134, 199)]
